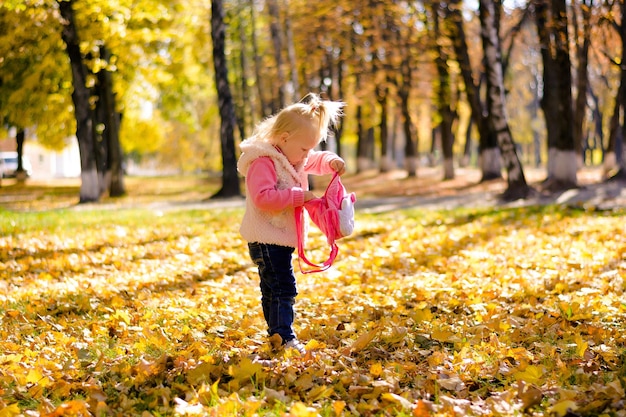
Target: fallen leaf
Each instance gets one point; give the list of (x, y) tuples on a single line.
[(363, 341), (561, 408)]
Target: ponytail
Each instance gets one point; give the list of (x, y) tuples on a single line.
[(311, 107), (326, 111)]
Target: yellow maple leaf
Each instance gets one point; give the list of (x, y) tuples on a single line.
[(208, 394), (376, 369), (364, 340), (562, 408), (532, 374), (443, 335), (12, 410), (35, 376), (244, 370), (276, 341), (201, 372), (302, 410), (397, 399), (581, 345), (338, 407), (422, 315), (319, 392)]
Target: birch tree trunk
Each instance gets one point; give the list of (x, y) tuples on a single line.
[(90, 188), (444, 99), (557, 102), (490, 162), (517, 186)]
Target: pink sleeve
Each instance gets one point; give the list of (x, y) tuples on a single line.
[(261, 184), (318, 162)]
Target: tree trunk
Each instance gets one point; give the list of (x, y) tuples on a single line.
[(291, 55), (467, 149), (90, 184), (100, 130), (444, 99), (20, 173), (265, 109), (557, 99), (490, 161), (385, 160), (230, 178), (410, 133), (277, 40), (596, 142), (362, 162), (114, 174), (362, 146), (614, 157), (245, 103), (517, 186), (610, 159), (339, 127), (582, 78)]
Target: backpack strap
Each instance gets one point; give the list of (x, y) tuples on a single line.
[(334, 249)]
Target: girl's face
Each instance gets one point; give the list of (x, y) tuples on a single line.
[(297, 145)]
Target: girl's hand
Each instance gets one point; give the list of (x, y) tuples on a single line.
[(338, 165), (308, 195)]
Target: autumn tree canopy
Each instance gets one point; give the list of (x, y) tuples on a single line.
[(384, 59)]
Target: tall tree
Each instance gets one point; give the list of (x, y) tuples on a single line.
[(230, 178), (557, 105), (403, 56), (34, 88), (615, 165), (20, 173), (444, 92), (489, 153), (109, 126), (583, 43), (379, 39), (291, 55), (516, 181), (90, 189), (277, 39), (264, 108)]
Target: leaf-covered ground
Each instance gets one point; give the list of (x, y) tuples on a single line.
[(468, 312)]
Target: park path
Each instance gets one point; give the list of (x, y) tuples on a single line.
[(376, 192), (381, 192)]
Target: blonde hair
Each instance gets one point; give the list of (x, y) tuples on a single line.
[(321, 114)]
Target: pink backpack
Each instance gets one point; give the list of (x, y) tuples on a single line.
[(333, 214)]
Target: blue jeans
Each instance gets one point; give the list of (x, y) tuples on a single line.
[(278, 287)]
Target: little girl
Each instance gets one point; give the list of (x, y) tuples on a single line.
[(276, 161)]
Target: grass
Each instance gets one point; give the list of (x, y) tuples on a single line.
[(38, 195), (127, 309)]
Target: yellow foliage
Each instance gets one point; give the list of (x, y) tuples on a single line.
[(146, 313), (563, 407), (12, 410)]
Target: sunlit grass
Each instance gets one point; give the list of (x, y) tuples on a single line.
[(126, 310), (37, 195)]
